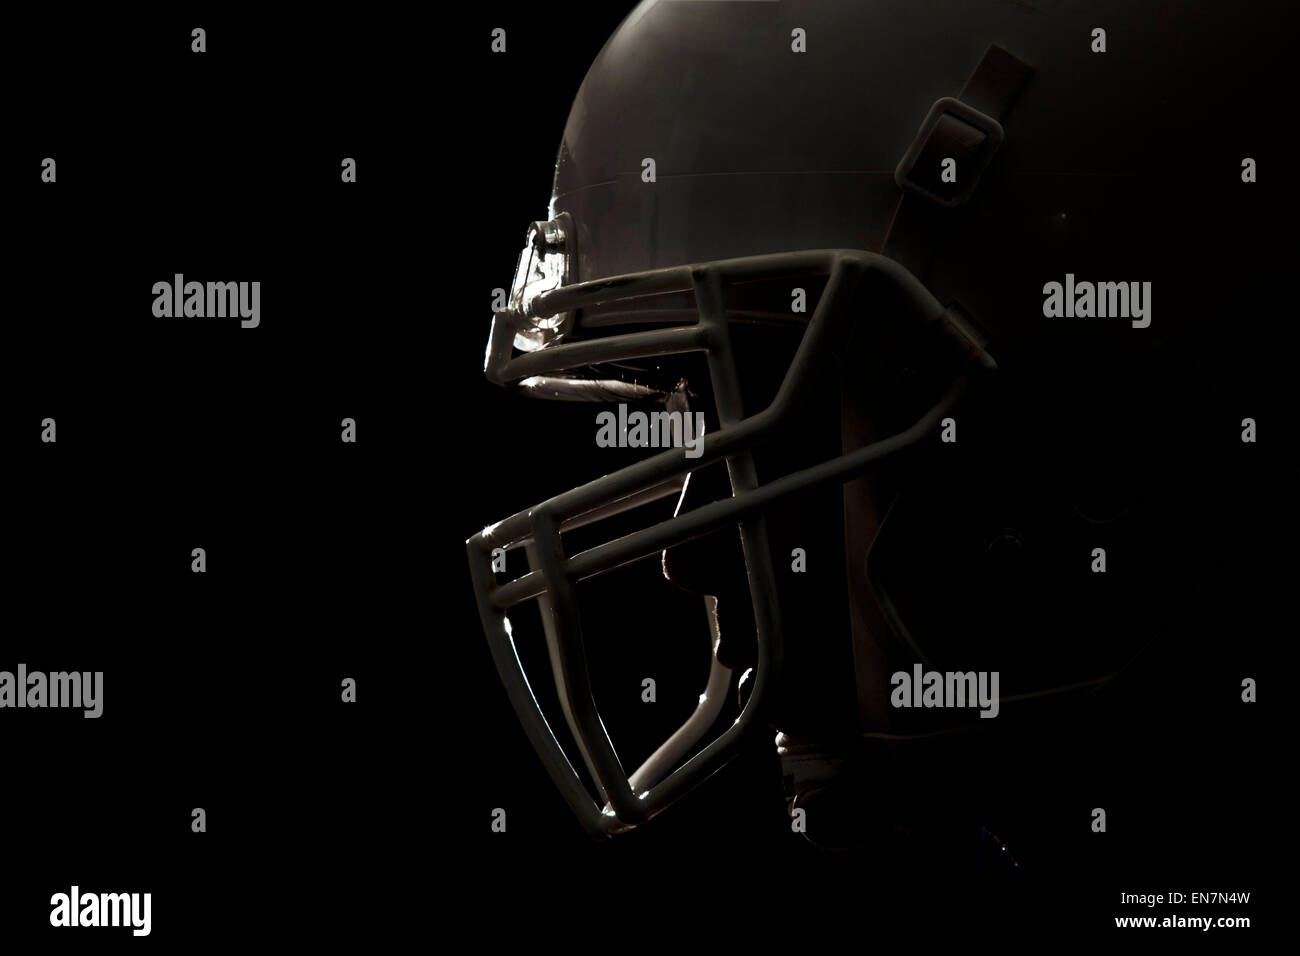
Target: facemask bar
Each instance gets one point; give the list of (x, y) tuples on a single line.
[(553, 573)]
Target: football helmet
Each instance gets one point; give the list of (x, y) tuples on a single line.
[(944, 281)]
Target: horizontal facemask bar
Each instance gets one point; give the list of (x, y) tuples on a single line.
[(717, 514), (782, 411), (552, 578), (502, 369)]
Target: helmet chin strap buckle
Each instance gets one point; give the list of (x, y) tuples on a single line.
[(959, 137), (954, 146)]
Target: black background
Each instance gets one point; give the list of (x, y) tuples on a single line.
[(330, 822)]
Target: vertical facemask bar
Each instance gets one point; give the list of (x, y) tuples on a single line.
[(555, 654), (754, 546), (573, 681), (753, 531), (707, 284), (538, 731)]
